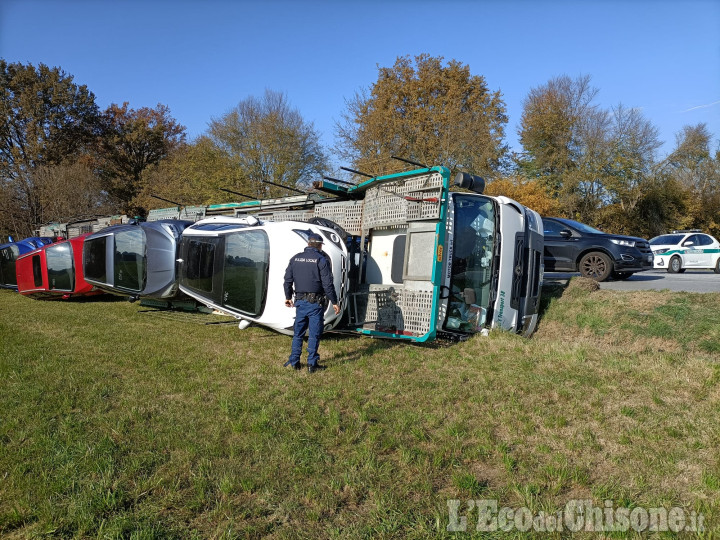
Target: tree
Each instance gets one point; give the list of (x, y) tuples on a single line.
[(268, 141), (528, 192), (426, 111), (693, 166), (589, 158), (559, 129), (631, 145), (70, 190), (45, 119), (191, 175), (132, 141)]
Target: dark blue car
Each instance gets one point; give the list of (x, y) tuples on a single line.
[(11, 251)]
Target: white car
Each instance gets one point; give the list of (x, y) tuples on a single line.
[(681, 250), (237, 266)]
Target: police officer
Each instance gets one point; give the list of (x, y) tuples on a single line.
[(311, 275)]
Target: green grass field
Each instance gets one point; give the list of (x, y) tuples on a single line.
[(117, 423)]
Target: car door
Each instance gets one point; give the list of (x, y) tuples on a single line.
[(693, 256), (704, 245), (560, 246)]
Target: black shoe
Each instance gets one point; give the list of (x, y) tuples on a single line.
[(316, 367), (296, 366)]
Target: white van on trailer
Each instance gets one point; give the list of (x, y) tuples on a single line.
[(237, 266)]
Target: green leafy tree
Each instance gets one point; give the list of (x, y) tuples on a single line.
[(268, 141), (132, 141), (428, 111), (665, 205), (45, 119), (693, 165)]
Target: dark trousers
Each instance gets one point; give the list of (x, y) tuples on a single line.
[(308, 318)]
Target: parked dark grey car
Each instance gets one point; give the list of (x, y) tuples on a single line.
[(135, 260), (571, 246)]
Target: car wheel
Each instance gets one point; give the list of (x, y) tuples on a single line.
[(675, 265), (717, 266), (596, 265), (622, 275)]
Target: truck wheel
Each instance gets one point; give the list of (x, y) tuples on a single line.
[(675, 265), (596, 265)]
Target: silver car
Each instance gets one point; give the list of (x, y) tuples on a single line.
[(135, 260)]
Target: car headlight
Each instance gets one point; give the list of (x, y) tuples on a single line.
[(661, 251), (628, 243)]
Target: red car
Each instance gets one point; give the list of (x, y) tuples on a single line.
[(54, 271)]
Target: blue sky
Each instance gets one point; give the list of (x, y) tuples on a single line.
[(202, 58)]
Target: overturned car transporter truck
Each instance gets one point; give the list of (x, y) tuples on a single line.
[(424, 262)]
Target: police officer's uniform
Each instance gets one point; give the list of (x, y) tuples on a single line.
[(311, 274)]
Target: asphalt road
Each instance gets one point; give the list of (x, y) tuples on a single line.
[(703, 281)]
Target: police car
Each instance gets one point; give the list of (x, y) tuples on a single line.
[(237, 265), (681, 250)]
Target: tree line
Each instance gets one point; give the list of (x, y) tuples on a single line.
[(61, 157)]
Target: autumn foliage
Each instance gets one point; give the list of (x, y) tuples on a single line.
[(61, 157)]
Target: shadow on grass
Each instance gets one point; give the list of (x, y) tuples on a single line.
[(364, 347), (97, 298), (550, 291)]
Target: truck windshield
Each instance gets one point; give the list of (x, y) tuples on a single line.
[(59, 260), (129, 263), (471, 267)]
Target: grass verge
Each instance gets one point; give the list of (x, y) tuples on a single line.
[(117, 423)]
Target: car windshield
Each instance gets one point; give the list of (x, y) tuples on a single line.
[(59, 260), (580, 226), (8, 256), (472, 257), (130, 261), (666, 240)]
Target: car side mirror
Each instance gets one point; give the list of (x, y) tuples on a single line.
[(565, 233), (688, 243)]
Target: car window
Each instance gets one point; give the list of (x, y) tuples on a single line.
[(247, 255), (94, 259), (37, 271), (666, 239), (199, 267), (553, 228), (694, 239), (704, 240)]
